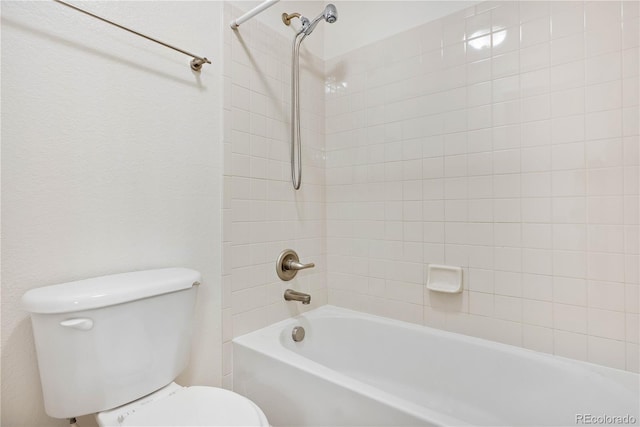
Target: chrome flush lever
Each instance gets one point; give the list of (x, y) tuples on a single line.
[(289, 264)]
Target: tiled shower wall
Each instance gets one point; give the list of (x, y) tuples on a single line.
[(262, 215), (503, 139)]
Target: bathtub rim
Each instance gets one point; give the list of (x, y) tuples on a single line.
[(267, 342), (287, 356), (327, 310)]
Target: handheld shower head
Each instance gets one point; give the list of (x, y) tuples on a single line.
[(329, 14)]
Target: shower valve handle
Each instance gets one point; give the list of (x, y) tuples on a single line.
[(288, 265), (291, 264)]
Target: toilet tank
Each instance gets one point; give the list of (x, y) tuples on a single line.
[(106, 341)]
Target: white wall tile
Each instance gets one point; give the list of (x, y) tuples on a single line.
[(535, 108), (505, 14), (567, 17), (608, 296), (605, 124), (481, 304), (534, 82), (506, 137), (632, 328), (570, 318), (630, 33), (569, 264), (604, 153), (536, 159), (570, 344), (536, 210), (603, 96), (535, 31), (567, 75), (536, 184), (606, 238), (606, 267), (567, 129), (632, 357), (606, 324), (537, 236), (517, 161), (602, 15), (534, 57), (537, 338), (507, 40), (603, 68), (605, 210), (508, 308), (531, 10), (535, 312), (569, 210), (537, 287), (569, 183), (568, 156), (508, 210), (479, 71), (567, 49), (607, 352), (570, 290), (508, 64)]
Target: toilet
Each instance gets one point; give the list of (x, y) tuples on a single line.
[(113, 345)]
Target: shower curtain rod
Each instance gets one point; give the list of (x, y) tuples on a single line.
[(253, 12), (196, 62)]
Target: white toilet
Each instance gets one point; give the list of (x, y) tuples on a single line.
[(113, 345)]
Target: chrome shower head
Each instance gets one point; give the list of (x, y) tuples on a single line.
[(329, 14)]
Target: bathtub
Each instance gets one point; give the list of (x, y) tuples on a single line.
[(359, 370)]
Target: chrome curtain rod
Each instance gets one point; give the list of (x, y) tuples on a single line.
[(196, 62)]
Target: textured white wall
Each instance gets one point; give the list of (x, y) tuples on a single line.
[(111, 153)]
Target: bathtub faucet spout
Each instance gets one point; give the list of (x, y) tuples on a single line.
[(291, 295)]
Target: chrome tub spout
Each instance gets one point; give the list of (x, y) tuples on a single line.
[(291, 295)]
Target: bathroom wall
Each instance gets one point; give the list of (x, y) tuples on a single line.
[(362, 23), (111, 162), (502, 139), (359, 23), (262, 213)]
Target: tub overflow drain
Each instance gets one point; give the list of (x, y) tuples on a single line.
[(297, 334)]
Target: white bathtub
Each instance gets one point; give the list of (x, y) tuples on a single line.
[(357, 369)]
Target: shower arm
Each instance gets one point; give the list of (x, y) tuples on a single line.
[(287, 17)]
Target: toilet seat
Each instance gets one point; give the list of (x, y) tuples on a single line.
[(186, 406)]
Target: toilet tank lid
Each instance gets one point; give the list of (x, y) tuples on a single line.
[(108, 290)]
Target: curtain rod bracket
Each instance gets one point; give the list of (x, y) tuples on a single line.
[(197, 63)]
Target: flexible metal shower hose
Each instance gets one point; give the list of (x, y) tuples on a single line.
[(296, 140)]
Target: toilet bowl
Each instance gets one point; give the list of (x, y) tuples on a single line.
[(175, 405), (112, 346)]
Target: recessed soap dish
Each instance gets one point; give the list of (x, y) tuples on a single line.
[(444, 278)]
